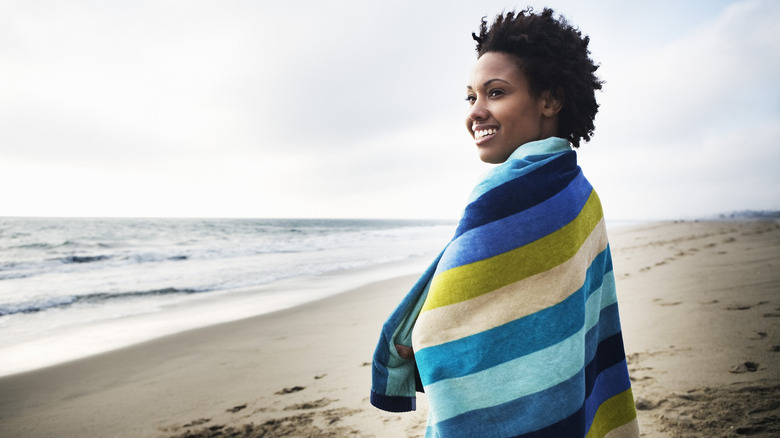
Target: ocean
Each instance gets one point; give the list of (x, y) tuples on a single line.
[(73, 287)]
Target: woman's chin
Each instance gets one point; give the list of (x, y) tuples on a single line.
[(490, 156)]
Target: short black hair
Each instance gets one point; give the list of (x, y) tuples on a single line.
[(554, 57)]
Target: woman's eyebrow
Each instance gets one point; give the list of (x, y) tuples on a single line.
[(488, 82)]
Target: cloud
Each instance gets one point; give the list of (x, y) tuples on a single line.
[(107, 83), (687, 125), (347, 108)]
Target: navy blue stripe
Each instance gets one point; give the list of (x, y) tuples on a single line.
[(393, 403), (609, 353), (609, 383), (520, 228), (521, 193)]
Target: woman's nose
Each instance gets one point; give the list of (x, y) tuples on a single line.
[(477, 111)]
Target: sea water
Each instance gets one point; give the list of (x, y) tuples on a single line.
[(74, 287)]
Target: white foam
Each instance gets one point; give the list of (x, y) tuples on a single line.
[(81, 338)]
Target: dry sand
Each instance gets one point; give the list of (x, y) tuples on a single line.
[(699, 301), (700, 308)]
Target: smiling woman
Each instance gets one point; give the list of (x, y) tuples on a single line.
[(504, 113), (514, 328)]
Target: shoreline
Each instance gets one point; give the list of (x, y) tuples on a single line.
[(264, 338), (81, 341), (699, 309)]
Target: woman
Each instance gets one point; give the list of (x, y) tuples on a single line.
[(514, 329)]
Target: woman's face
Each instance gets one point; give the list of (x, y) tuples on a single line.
[(503, 115)]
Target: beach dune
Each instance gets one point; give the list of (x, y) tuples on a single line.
[(700, 308)]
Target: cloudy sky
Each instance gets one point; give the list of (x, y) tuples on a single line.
[(355, 109)]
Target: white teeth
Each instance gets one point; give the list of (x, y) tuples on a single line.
[(484, 132)]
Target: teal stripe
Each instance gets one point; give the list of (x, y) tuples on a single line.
[(486, 349), (509, 171), (558, 411), (519, 377)]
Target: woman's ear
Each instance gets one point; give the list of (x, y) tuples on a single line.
[(552, 102)]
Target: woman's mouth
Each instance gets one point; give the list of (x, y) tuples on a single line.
[(482, 133)]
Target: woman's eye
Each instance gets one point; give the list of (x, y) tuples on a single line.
[(471, 99), (495, 93)]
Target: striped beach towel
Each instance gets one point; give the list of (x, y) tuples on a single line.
[(515, 325)]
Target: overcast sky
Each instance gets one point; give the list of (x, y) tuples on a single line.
[(356, 108)]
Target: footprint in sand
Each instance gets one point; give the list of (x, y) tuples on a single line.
[(235, 409), (637, 379), (743, 306), (739, 307), (297, 425), (744, 367), (197, 422), (662, 303), (321, 403), (643, 404), (290, 390), (758, 336), (746, 410)]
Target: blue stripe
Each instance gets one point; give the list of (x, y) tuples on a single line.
[(393, 403), (610, 351), (503, 383), (609, 383), (609, 341), (384, 362), (518, 229), (523, 159), (510, 341), (521, 415), (608, 261), (529, 374), (533, 373), (515, 339), (521, 193), (554, 412)]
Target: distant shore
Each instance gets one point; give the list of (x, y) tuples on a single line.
[(701, 319)]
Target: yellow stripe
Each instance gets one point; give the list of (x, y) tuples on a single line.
[(470, 281), (510, 302), (612, 414)]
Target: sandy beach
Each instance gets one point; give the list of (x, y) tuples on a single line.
[(700, 308)]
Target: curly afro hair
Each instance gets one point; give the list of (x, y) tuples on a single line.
[(554, 57)]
